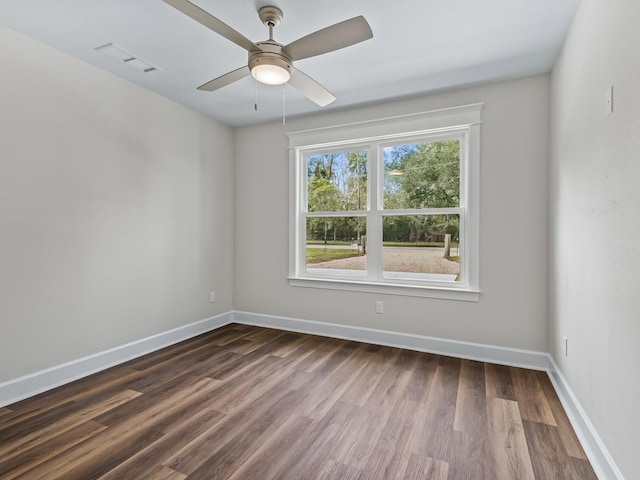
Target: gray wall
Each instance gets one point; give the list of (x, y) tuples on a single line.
[(513, 309), (595, 207), (115, 210)]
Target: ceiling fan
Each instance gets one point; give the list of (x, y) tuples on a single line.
[(271, 62)]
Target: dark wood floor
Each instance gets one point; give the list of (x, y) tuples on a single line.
[(253, 403)]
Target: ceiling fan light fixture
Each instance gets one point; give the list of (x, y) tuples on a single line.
[(270, 70)]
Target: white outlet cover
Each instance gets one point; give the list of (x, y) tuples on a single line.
[(609, 101), (379, 306)]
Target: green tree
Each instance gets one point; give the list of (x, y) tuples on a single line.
[(432, 175), (427, 176), (323, 197)]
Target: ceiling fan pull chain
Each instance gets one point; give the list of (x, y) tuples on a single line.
[(284, 104), (255, 105)]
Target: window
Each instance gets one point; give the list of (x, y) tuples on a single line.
[(388, 206)]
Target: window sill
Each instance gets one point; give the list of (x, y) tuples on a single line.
[(352, 285)]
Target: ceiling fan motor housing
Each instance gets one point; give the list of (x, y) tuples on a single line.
[(271, 54)]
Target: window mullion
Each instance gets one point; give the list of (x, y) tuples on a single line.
[(337, 213), (374, 222), (426, 211)]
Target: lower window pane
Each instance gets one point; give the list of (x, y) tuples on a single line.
[(336, 245), (421, 247)]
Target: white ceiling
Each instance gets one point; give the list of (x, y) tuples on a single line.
[(419, 46)]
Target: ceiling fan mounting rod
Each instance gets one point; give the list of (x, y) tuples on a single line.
[(271, 17)]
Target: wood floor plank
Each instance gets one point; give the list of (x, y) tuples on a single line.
[(234, 391), (246, 402), (262, 463), (421, 377), (113, 446), (255, 340), (371, 368), (27, 437), (471, 410), (532, 401), (361, 434), (583, 469), (321, 351), (468, 457), (196, 453), (507, 441), (226, 460), (144, 463), (381, 405), (470, 425), (279, 376), (319, 444), (548, 456), (435, 432), (498, 382), (152, 409), (105, 383), (567, 435), (234, 365), (425, 468), (20, 463), (390, 454), (332, 470), (162, 473), (326, 390), (181, 367), (293, 343), (201, 362), (92, 458), (179, 350)]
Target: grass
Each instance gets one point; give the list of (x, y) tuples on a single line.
[(317, 255), (329, 242)]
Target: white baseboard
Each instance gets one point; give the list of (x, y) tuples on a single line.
[(23, 387), (454, 348), (600, 458)]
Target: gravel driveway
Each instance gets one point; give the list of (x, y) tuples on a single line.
[(417, 260)]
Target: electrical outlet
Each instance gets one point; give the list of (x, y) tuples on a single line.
[(609, 101), (566, 346), (379, 306), (212, 297)]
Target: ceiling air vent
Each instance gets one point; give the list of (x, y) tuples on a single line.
[(129, 58)]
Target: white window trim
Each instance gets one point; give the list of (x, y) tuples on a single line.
[(464, 118)]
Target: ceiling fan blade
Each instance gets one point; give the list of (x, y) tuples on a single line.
[(209, 21), (225, 79), (335, 37), (310, 88)]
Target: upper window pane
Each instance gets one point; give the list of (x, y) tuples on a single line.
[(422, 175), (337, 181)]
